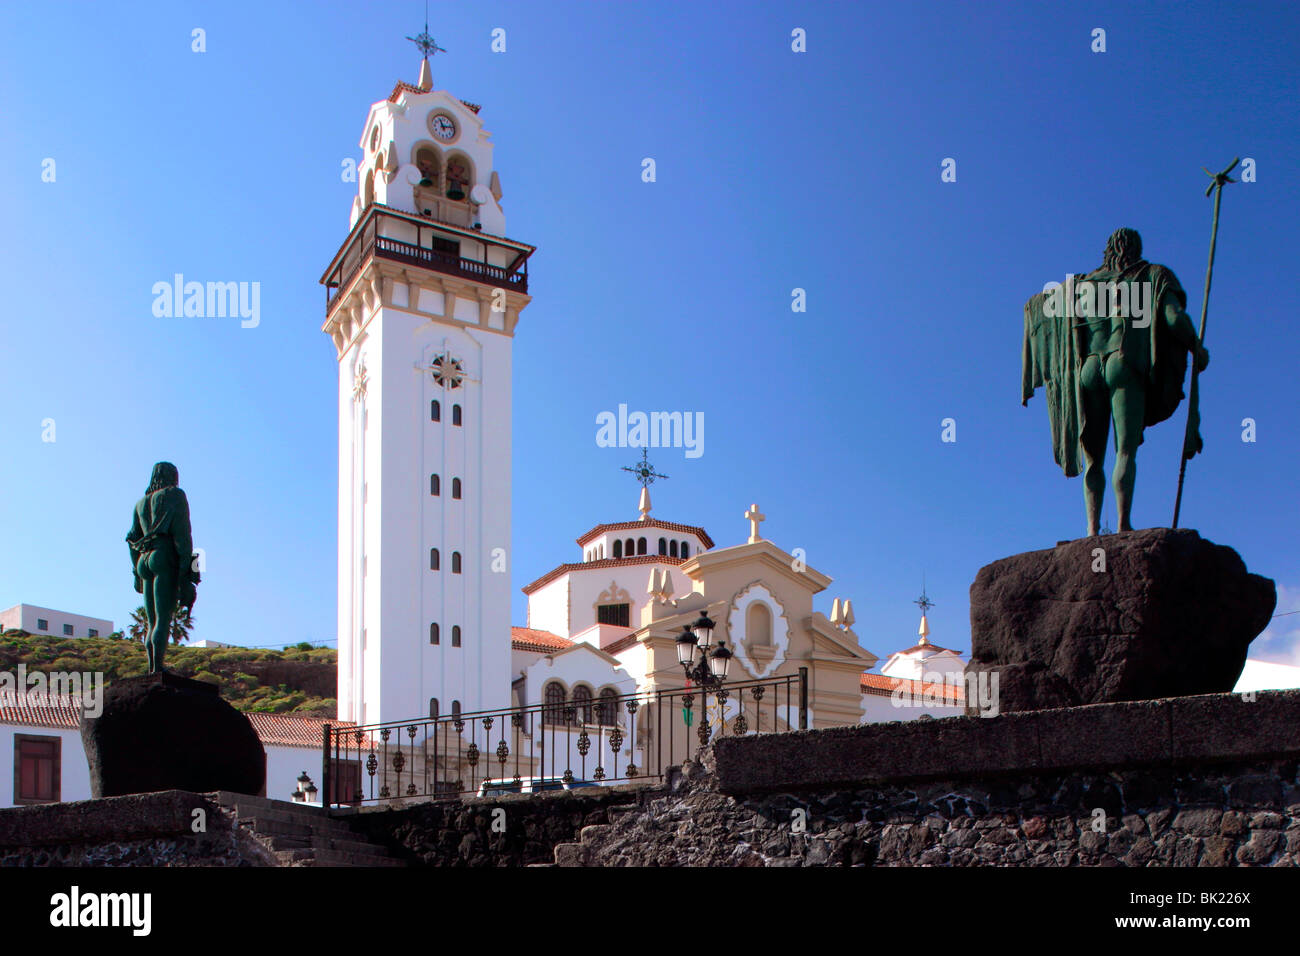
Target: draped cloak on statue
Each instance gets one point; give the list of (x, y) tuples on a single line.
[(1055, 348)]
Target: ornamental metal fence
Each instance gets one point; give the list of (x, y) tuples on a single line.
[(555, 745)]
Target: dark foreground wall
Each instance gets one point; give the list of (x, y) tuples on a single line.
[(147, 829), (1208, 781)]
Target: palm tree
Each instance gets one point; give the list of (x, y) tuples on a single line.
[(182, 624)]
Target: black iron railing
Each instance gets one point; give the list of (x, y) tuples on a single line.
[(369, 243), (550, 746)]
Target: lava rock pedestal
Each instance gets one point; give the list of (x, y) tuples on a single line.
[(1133, 616), (165, 732)]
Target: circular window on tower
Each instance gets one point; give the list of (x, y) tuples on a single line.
[(374, 138), (443, 127), (447, 371)]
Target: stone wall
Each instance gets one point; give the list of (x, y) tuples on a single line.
[(1208, 781), (512, 830), (148, 829)]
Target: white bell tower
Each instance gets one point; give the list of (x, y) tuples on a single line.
[(422, 302)]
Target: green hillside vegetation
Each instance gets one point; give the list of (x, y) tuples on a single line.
[(299, 680)]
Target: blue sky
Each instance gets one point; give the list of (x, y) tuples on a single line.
[(775, 171)]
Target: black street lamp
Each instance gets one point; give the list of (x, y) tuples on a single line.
[(705, 665)]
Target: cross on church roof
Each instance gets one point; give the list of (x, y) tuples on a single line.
[(425, 42), (644, 471), (923, 602)]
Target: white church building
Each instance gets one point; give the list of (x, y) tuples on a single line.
[(424, 299)]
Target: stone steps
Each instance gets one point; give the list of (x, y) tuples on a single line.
[(299, 835)]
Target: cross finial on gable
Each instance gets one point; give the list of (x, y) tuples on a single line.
[(755, 518)]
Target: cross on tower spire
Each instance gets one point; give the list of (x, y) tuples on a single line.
[(426, 44)]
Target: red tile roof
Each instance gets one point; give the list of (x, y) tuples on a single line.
[(649, 523), (282, 730), (532, 639), (878, 685), (622, 644), (404, 87), (550, 576)]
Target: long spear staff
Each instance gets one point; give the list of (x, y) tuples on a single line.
[(1191, 438)]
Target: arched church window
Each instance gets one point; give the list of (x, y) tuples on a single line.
[(368, 198), (686, 550), (553, 703), (607, 709), (458, 177), (455, 415), (433, 708), (582, 702), (618, 549), (455, 562), (640, 545), (426, 161), (435, 485), (455, 635), (435, 636), (672, 549), (629, 548), (663, 545), (435, 560), (435, 411), (758, 625), (455, 488)]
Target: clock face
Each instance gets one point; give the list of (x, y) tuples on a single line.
[(443, 127)]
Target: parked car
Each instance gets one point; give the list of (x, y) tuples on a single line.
[(505, 785)]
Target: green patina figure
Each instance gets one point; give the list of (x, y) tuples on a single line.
[(162, 557), (1111, 344)]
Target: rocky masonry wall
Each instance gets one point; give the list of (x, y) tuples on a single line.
[(1208, 781)]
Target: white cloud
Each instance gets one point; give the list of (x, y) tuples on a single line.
[(1280, 641)]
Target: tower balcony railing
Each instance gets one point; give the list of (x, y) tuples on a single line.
[(374, 239), (555, 745)]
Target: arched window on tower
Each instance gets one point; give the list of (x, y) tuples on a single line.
[(435, 559), (435, 485), (672, 549), (640, 545), (686, 550), (435, 411), (426, 161), (455, 488), (582, 701), (455, 635), (618, 549), (629, 548), (435, 636), (456, 418), (455, 562), (553, 703), (607, 708), (758, 625), (663, 545)]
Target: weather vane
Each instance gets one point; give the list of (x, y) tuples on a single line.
[(644, 471), (923, 602), (424, 41)]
